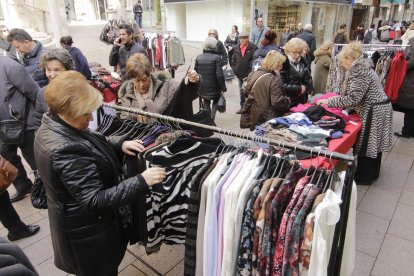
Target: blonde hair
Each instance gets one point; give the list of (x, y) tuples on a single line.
[(296, 45), (326, 46), (411, 26), (213, 31), (138, 66), (273, 60), (70, 95), (352, 51)]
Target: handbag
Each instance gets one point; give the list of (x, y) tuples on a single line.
[(203, 117), (8, 173), (221, 104), (13, 131), (38, 195), (228, 73)]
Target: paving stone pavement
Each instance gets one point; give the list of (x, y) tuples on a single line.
[(384, 221)]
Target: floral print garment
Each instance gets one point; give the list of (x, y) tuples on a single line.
[(306, 246), (244, 261), (258, 233), (294, 238), (278, 256), (272, 222)]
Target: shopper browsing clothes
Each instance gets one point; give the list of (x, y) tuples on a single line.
[(363, 92), (81, 172)]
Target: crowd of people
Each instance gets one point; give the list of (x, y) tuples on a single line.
[(80, 170)]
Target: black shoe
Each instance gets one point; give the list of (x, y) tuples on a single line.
[(239, 111), (19, 195), (403, 135), (28, 232)]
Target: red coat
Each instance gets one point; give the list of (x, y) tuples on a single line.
[(396, 76)]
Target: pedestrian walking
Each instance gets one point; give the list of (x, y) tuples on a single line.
[(359, 33), (341, 36), (81, 63), (220, 49), (258, 32), (138, 10), (310, 39), (232, 40)]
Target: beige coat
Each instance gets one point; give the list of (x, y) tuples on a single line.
[(322, 64)]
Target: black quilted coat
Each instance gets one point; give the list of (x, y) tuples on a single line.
[(208, 65), (293, 79), (84, 196)]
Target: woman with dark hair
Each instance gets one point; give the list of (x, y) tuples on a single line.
[(232, 40), (268, 44), (53, 63), (81, 63)]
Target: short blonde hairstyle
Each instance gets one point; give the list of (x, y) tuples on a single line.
[(273, 60), (327, 46), (352, 51), (138, 66), (411, 26), (70, 95), (296, 45)]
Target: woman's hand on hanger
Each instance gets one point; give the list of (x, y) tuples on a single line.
[(154, 175), (193, 76), (131, 147)]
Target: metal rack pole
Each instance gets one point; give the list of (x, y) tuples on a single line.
[(277, 143)]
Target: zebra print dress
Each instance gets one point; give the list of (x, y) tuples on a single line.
[(362, 88)]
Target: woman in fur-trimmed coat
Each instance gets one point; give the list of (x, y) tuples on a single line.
[(362, 91)]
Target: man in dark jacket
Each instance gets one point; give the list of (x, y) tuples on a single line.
[(241, 62), (137, 10), (17, 100), (309, 38), (208, 65), (124, 47), (32, 50)]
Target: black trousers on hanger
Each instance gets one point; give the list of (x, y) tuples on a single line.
[(368, 169)]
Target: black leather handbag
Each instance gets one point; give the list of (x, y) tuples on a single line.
[(228, 73), (38, 195), (221, 104), (13, 130)]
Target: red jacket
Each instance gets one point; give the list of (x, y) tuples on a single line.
[(396, 76)]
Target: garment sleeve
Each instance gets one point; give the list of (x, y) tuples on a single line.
[(223, 53), (76, 168), (220, 75), (40, 109), (21, 79), (227, 42), (114, 56), (357, 89), (290, 89), (312, 49), (278, 100)]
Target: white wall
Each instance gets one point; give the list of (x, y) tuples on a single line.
[(202, 16)]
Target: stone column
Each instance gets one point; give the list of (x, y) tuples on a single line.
[(58, 18)]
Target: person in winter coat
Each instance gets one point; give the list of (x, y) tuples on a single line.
[(322, 64), (81, 173), (208, 65), (370, 35), (384, 32), (359, 33), (264, 94), (295, 73), (123, 48), (341, 36), (310, 39), (81, 63), (409, 33), (31, 50), (363, 92), (53, 62), (153, 92), (220, 49), (242, 61), (268, 44), (405, 102), (18, 94), (232, 40), (286, 35)]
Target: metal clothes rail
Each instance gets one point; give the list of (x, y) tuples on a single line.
[(335, 259), (337, 47)]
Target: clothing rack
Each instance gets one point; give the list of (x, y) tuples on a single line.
[(336, 48), (335, 260)]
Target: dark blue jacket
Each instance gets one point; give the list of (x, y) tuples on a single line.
[(262, 52), (309, 38), (31, 60), (81, 63)]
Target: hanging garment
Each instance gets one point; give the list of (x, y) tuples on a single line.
[(167, 207), (396, 76), (335, 76)]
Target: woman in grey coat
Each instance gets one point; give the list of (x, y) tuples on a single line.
[(363, 92), (322, 64)]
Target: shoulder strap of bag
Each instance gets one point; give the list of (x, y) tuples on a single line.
[(258, 40), (258, 80)]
